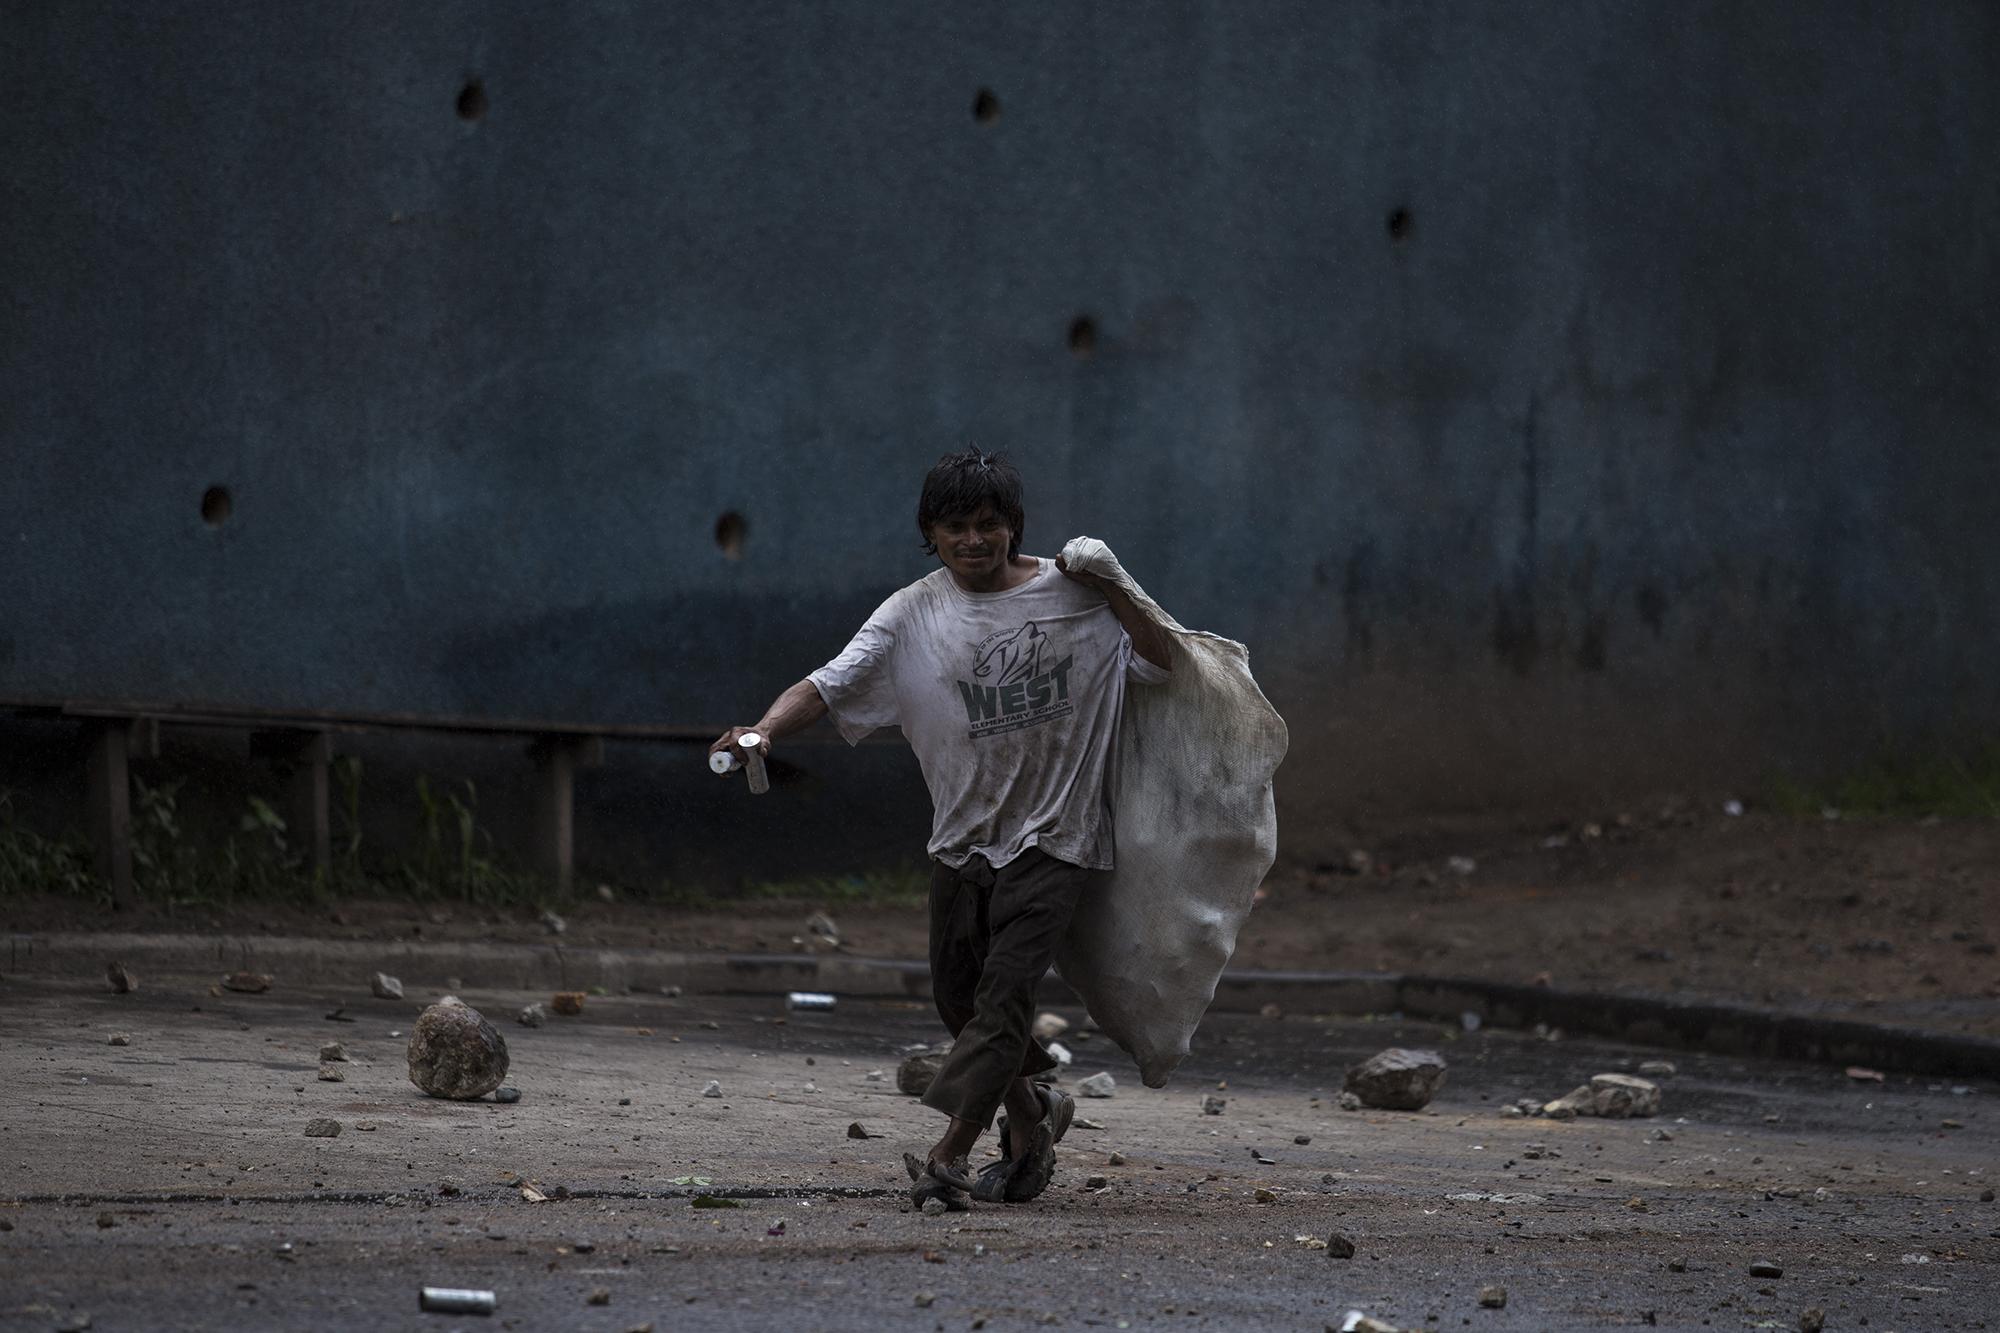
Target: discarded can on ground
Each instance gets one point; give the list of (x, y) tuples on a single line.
[(806, 999), (456, 1300)]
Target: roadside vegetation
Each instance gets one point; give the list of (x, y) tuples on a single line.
[(452, 860), (1899, 786)]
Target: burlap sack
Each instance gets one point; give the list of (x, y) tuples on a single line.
[(1196, 832)]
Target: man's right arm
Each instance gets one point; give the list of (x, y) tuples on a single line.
[(793, 711)]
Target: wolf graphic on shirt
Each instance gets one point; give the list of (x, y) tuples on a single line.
[(1017, 682)]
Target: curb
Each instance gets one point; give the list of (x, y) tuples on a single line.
[(1650, 1020)]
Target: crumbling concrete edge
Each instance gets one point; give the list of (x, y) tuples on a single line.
[(339, 966)]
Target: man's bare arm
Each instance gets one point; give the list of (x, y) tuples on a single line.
[(1148, 639), (793, 711)]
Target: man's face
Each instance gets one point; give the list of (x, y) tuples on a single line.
[(973, 544)]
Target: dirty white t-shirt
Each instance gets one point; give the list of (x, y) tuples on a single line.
[(1010, 700)]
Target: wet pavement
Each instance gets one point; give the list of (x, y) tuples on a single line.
[(168, 1184)]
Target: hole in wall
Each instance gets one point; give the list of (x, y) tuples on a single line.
[(1082, 337), (985, 106), (731, 531), (472, 100), (1400, 224), (215, 506)]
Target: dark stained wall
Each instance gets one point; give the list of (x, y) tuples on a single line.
[(1555, 397)]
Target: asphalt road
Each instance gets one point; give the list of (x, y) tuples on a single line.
[(167, 1184)]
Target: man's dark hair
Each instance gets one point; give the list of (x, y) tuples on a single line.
[(961, 483)]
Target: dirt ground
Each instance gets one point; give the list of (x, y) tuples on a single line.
[(1891, 920), (159, 1178)]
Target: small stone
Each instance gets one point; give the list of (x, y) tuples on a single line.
[(1213, 1105), (1302, 1139), (567, 1002), (106, 1220), (1812, 1321), (1397, 1079), (1100, 1084), (506, 1093), (1096, 1183), (1493, 1298), (332, 1052), (914, 1075), (332, 1073), (121, 979), (118, 1039), (248, 983), (601, 1296), (1061, 1054), (1470, 1020), (1677, 1265), (1272, 1010), (552, 923), (714, 1089), (1658, 1069), (873, 1076), (385, 987), (322, 1129), (1347, 1101), (533, 1016), (76, 1323), (1339, 1247), (1265, 1194), (857, 1130), (821, 926), (1461, 865), (1986, 1196), (1620, 1096), (1116, 1159), (1765, 1268), (925, 1299), (1050, 1026), (456, 1054)]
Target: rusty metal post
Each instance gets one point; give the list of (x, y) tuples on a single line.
[(108, 804)]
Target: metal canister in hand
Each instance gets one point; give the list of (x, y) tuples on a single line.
[(747, 753)]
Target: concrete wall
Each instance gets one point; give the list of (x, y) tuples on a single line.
[(1559, 398)]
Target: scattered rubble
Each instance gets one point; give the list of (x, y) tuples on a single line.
[(1061, 1054), (506, 1093), (333, 1052), (1812, 1321), (1657, 1069), (322, 1129), (1339, 1246), (1397, 1079), (247, 983), (569, 1003), (714, 1088), (1213, 1105), (857, 1130), (1765, 1268), (820, 926), (118, 1039), (533, 1016), (385, 987), (1613, 1096), (332, 1073), (552, 923), (1050, 1026), (122, 981), (456, 1300), (1100, 1084), (914, 1075), (1493, 1298), (455, 1053), (1347, 1101), (1357, 1322)]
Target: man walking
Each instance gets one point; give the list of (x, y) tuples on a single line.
[(1007, 673)]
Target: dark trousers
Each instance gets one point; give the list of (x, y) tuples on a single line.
[(993, 935)]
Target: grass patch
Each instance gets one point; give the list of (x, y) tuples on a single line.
[(1895, 786), (907, 885), (257, 860)]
